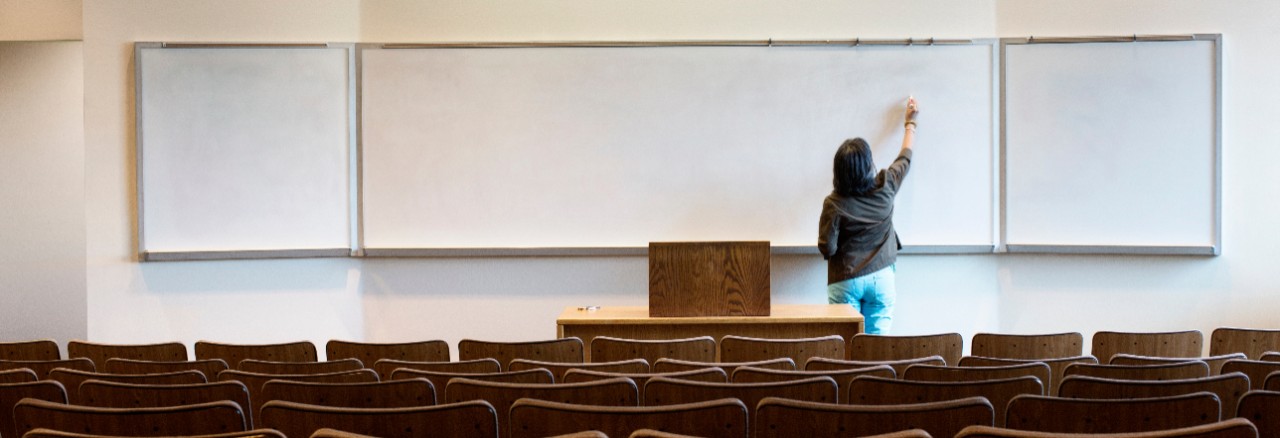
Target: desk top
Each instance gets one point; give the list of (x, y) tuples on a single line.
[(779, 314)]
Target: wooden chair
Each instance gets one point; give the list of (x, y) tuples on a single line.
[(910, 433), (1078, 415), (12, 393), (384, 367), (1167, 344), (781, 418), (554, 350), (273, 367), (609, 349), (209, 367), (1234, 428), (642, 433), (334, 433), (745, 349), (42, 367), (714, 375), (232, 354), (1252, 342), (197, 419), (1214, 362), (71, 379), (1257, 370), (661, 391), (405, 393), (254, 382), (899, 366), (369, 353), (881, 391), (441, 379), (935, 373), (1057, 367), (470, 419), (633, 366), (864, 347), (18, 375), (1046, 346), (1270, 356), (1228, 388), (1167, 371), (99, 353), (127, 395), (842, 377), (1272, 382), (611, 392), (255, 433), (44, 349), (673, 365), (540, 418), (1262, 408)]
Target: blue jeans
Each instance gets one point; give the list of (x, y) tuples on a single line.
[(872, 295)]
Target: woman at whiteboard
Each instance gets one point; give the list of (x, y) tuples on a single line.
[(855, 232)]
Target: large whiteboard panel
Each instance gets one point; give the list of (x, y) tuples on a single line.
[(1112, 145), (244, 149), (617, 147)]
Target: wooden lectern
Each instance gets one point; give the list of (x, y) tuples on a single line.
[(688, 279)]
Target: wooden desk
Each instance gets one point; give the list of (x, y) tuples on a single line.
[(785, 321)]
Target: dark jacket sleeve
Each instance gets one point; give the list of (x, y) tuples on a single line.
[(828, 229), (897, 171)]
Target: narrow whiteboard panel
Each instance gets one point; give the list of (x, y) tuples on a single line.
[(608, 147), (244, 148), (1111, 144)]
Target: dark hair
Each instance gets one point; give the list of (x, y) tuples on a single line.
[(854, 170)]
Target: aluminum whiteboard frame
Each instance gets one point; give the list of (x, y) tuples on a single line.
[(1211, 250), (353, 136)]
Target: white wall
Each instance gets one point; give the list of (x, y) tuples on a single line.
[(518, 298)]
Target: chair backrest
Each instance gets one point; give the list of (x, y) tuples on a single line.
[(255, 381), (126, 395), (255, 433), (1234, 428), (1214, 362), (776, 417), (12, 393), (209, 367), (1057, 367), (1193, 369), (334, 433), (864, 347), (370, 353), (899, 366), (1010, 346), (633, 366), (1257, 370), (608, 349), (663, 391), (232, 354), (99, 353), (842, 377), (43, 349), (642, 433), (1263, 409), (881, 391), (474, 418), (935, 373), (552, 350), (42, 367), (1189, 343), (405, 393), (384, 367), (1079, 415), (195, 419), (18, 375), (672, 365), (71, 379), (539, 418), (611, 392), (745, 349), (1252, 342), (1228, 387), (274, 367), (715, 375), (1270, 356), (1272, 382)]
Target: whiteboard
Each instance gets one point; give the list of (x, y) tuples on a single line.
[(244, 149), (1112, 147), (617, 147)]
